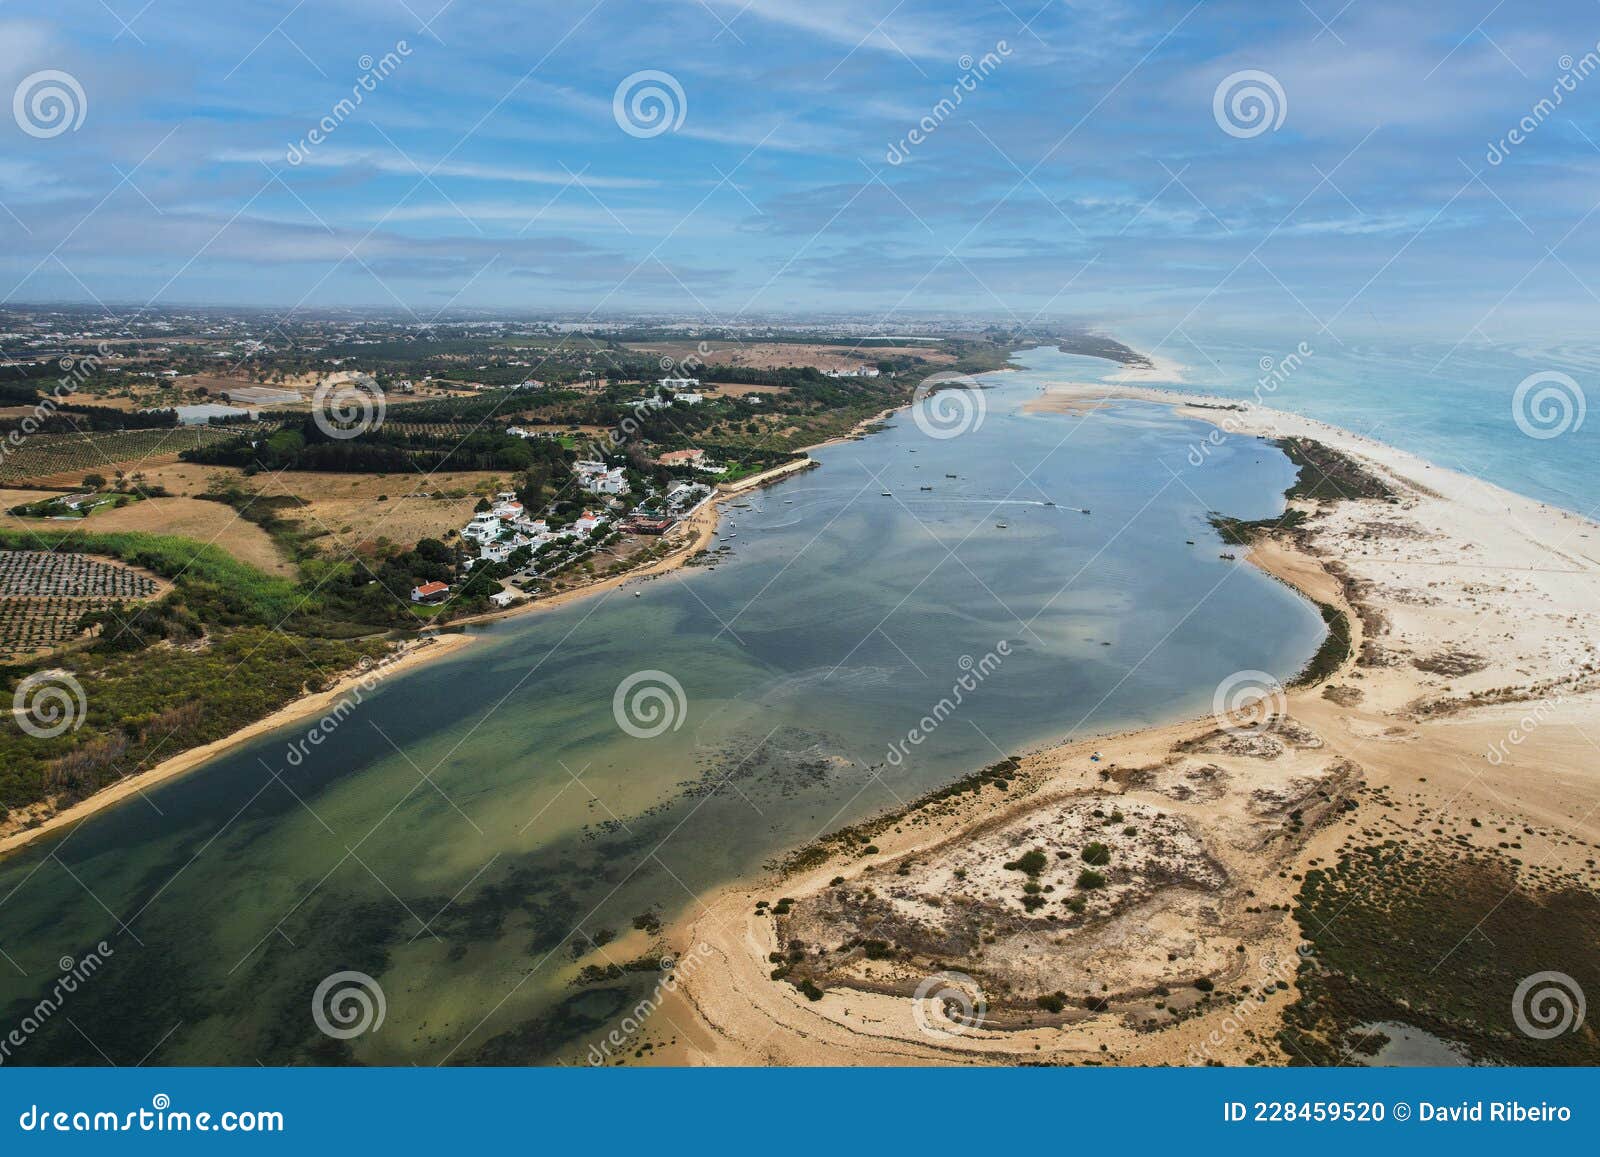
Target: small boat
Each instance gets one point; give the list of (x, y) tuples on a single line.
[(949, 475), (1000, 526), (1086, 511), (886, 494), (1229, 557), (927, 488), (1048, 503)]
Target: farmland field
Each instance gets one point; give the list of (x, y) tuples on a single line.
[(43, 594), (45, 455)]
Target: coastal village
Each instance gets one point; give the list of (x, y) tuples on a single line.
[(535, 544)]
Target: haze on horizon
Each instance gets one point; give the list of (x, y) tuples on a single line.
[(431, 155)]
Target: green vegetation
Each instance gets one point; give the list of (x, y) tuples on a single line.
[(1326, 475), (1089, 878), (142, 708), (1097, 854), (1242, 533), (217, 587), (1437, 939), (1032, 862), (1333, 652)]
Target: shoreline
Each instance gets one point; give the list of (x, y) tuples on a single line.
[(1420, 572), (443, 640), (412, 654)]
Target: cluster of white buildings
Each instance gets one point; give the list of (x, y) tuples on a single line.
[(685, 390), (598, 478), (506, 527), (858, 372), (696, 458)]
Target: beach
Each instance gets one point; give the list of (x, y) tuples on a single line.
[(1460, 712), (691, 536)]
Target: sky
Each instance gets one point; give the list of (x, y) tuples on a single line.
[(1018, 160)]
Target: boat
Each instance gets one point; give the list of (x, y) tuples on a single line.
[(927, 488), (886, 494), (1049, 503), (1000, 525), (949, 475)]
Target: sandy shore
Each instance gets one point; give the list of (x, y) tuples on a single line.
[(411, 654), (1472, 679), (689, 537)]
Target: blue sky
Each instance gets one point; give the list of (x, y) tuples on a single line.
[(1085, 176)]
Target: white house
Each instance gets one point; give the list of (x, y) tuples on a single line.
[(677, 385), (484, 527), (429, 592), (605, 482), (587, 522)]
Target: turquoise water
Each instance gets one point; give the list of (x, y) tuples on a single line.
[(480, 825), (1451, 403)]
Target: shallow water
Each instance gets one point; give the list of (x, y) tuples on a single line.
[(478, 823), (1454, 403)]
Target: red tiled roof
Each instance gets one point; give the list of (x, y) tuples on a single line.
[(432, 588)]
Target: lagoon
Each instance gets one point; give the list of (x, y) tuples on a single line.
[(482, 825)]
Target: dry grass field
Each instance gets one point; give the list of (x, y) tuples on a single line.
[(353, 509), (205, 522)]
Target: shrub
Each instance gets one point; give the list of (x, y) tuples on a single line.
[(1089, 878), (1032, 863), (1096, 853), (1051, 1001)]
